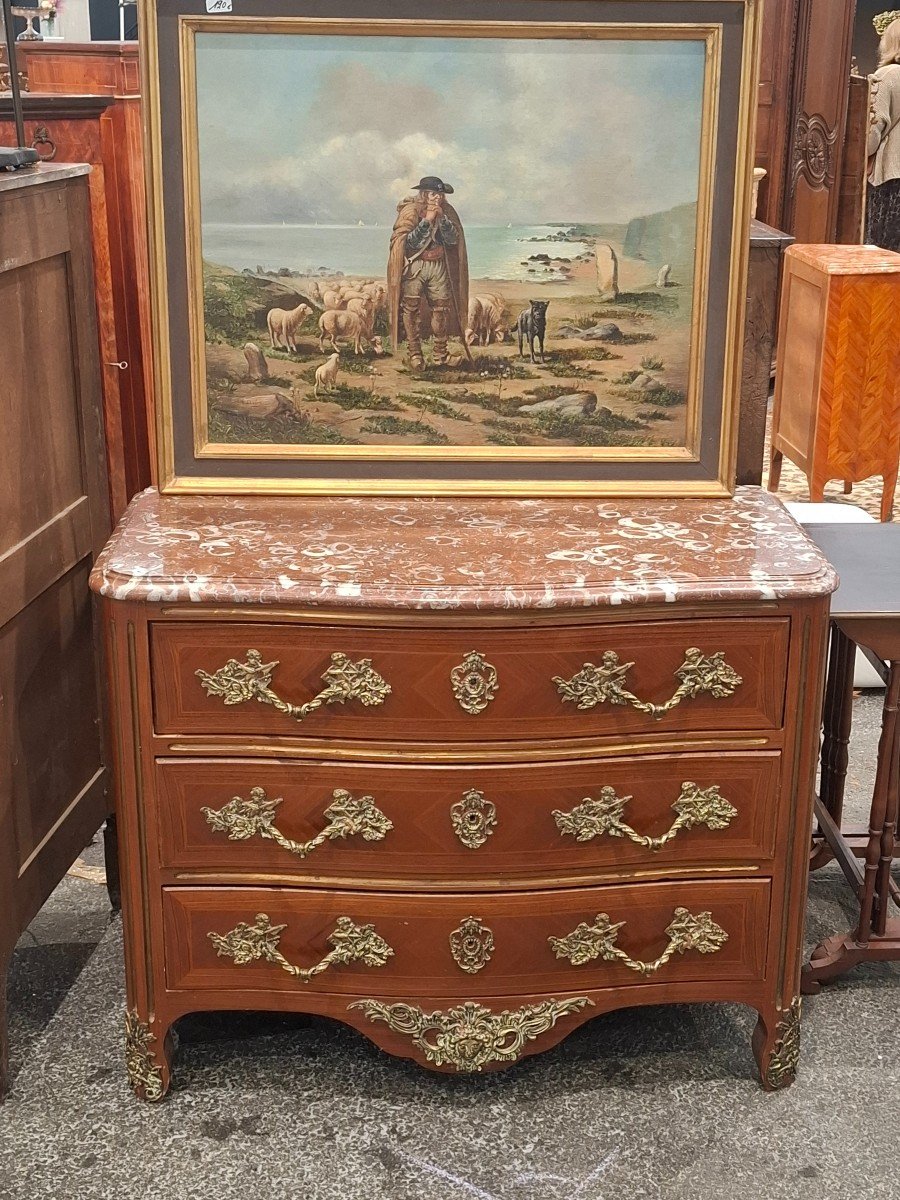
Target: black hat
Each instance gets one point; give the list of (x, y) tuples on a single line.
[(431, 183)]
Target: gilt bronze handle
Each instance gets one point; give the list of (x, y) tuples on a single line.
[(350, 942), (348, 816), (699, 673), (344, 680), (685, 932), (594, 818)]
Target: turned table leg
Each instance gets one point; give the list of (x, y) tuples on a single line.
[(837, 718), (875, 939), (883, 820)]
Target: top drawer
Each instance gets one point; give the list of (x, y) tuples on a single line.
[(510, 684)]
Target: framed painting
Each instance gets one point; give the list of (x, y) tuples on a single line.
[(469, 248)]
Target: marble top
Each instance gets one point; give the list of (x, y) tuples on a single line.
[(34, 176), (464, 555)]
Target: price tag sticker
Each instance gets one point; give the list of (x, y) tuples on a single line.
[(218, 6)]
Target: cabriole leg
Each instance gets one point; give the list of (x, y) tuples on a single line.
[(776, 1045), (148, 1056)]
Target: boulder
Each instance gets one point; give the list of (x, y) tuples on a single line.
[(662, 279), (646, 383), (257, 367), (580, 404), (606, 331), (264, 404), (607, 271)]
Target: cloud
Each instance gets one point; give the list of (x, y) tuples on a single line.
[(529, 133)]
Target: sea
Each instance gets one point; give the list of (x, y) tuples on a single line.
[(495, 252)]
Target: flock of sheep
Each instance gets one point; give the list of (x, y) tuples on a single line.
[(348, 314), (349, 311)]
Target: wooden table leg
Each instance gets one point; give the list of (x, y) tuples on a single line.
[(837, 718), (875, 938), (887, 780)]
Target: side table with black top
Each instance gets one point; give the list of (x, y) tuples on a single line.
[(865, 613)]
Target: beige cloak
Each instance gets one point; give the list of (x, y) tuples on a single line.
[(408, 217)]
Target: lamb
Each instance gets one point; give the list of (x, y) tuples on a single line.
[(349, 326), (326, 375), (283, 325), (487, 321)]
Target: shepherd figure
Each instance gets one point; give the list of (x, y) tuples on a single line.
[(428, 273)]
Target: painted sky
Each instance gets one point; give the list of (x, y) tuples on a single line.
[(299, 128)]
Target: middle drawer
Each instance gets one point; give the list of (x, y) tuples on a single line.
[(377, 822)]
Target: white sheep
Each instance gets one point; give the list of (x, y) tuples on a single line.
[(326, 375), (487, 321), (283, 325), (332, 298), (365, 309), (349, 326)]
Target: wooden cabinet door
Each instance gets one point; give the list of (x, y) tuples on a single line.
[(819, 114), (54, 517)]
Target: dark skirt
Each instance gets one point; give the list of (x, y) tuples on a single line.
[(883, 215)]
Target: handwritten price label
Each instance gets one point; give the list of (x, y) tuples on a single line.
[(218, 6)]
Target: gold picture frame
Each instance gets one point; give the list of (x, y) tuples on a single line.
[(189, 459)]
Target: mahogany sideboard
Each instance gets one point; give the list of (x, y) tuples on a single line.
[(84, 105), (54, 518), (462, 774)]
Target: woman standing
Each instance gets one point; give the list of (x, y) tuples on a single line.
[(883, 202)]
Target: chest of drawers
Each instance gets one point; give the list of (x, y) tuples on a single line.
[(462, 774)]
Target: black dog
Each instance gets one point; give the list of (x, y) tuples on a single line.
[(531, 326)]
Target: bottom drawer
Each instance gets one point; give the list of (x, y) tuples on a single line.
[(274, 939)]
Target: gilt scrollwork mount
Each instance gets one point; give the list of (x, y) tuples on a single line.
[(605, 815), (347, 815), (782, 1065), (345, 680), (472, 945), (474, 818), (144, 1073), (469, 1036), (605, 684), (474, 682), (350, 943), (685, 932)]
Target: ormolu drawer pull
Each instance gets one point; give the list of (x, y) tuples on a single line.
[(685, 932), (695, 806), (351, 942), (470, 1036), (699, 673), (348, 816), (237, 682)]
